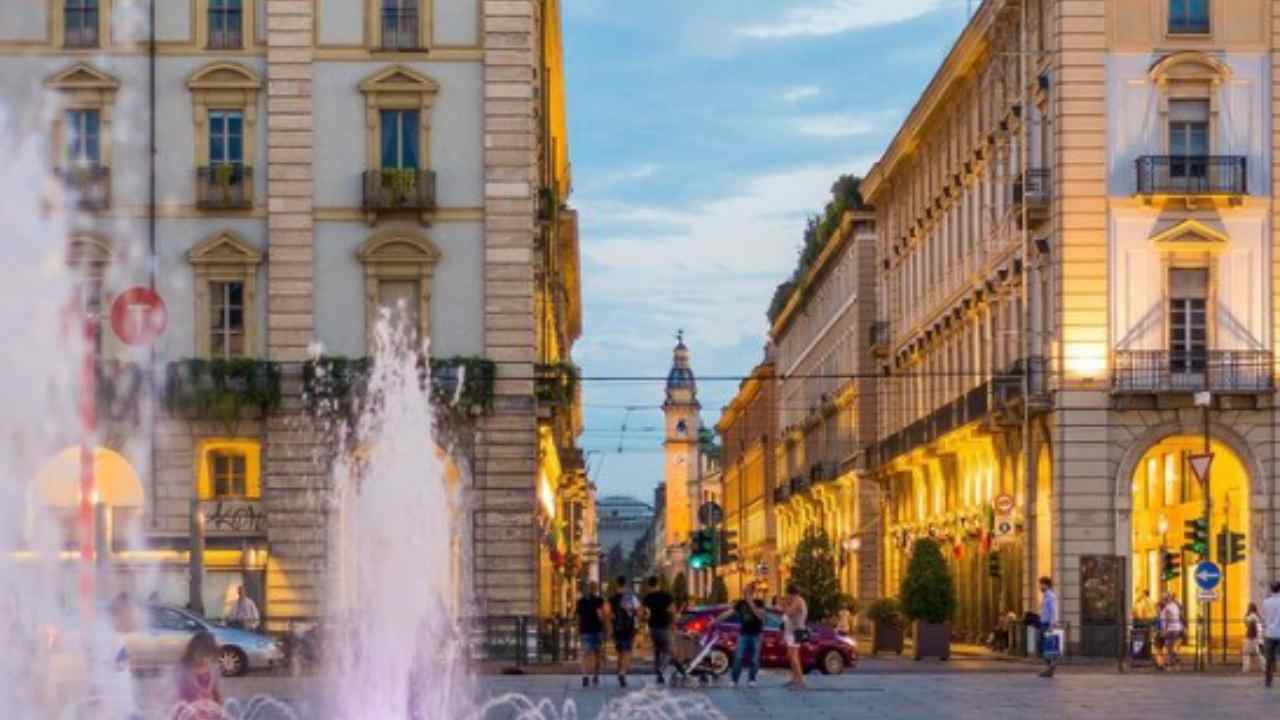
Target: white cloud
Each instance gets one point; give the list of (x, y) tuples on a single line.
[(833, 17), (803, 92), (710, 269), (835, 126)]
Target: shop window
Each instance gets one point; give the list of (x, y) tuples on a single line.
[(229, 470), (1188, 17)]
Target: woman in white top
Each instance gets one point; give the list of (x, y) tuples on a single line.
[(1171, 628), (795, 616)]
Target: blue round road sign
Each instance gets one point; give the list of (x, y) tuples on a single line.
[(1208, 575)]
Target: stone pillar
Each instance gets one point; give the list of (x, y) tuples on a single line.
[(505, 494), (295, 485)]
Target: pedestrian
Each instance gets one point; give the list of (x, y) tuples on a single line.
[(844, 621), (620, 615), (795, 631), (657, 612), (749, 615), (1049, 621), (1143, 612), (197, 682), (1171, 630), (1271, 628), (244, 613), (1252, 638), (590, 614)]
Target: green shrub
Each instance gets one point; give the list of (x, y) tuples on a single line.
[(885, 611), (928, 591)]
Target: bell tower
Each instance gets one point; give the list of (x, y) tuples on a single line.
[(683, 422)]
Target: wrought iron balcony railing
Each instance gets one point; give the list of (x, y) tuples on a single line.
[(1032, 187), (91, 185), (224, 186), (880, 336), (1193, 175), (399, 189), (1158, 371)]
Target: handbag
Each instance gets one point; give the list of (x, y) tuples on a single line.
[(1051, 644)]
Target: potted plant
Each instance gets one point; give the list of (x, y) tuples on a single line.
[(887, 625), (929, 599)]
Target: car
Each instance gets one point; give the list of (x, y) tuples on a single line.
[(826, 651), (167, 631)]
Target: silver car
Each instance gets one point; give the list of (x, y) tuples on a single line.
[(168, 630)]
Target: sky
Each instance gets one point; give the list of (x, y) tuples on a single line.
[(702, 133)]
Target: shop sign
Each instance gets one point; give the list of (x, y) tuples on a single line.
[(234, 517)]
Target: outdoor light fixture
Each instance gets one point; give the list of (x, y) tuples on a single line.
[(1162, 525)]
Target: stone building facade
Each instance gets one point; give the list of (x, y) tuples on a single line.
[(1076, 238), (318, 164)]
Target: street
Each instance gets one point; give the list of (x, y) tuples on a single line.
[(899, 695)]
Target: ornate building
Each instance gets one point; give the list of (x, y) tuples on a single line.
[(683, 426), (314, 165), (1074, 222)]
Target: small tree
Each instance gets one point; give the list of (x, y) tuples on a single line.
[(814, 574), (928, 592), (680, 589), (719, 591)]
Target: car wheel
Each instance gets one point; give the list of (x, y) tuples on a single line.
[(233, 661), (831, 663), (719, 662)]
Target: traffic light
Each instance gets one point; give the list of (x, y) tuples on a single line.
[(993, 565), (728, 547), (1172, 566), (1197, 535), (701, 550), (1237, 548)]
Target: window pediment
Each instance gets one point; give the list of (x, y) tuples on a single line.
[(1189, 236), (82, 76), (224, 76), (395, 247), (225, 248), (89, 250), (399, 79), (1189, 66)]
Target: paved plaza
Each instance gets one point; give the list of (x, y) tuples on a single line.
[(1014, 693)]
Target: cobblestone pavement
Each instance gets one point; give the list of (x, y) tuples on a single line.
[(901, 696)]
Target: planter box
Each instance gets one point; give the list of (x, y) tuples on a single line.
[(888, 638), (932, 640)]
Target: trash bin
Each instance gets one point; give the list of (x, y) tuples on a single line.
[(1032, 622)]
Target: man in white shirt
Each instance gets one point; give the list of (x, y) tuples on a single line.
[(1049, 619), (244, 614), (1271, 627)]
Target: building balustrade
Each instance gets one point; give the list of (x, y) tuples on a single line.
[(224, 186), (970, 407), (1167, 371), (91, 185), (399, 189), (1193, 175), (1032, 191)]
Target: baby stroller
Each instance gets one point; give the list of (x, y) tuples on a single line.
[(690, 658)]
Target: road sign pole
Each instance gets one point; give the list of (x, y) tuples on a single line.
[(1225, 551)]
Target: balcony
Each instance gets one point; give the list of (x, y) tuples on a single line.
[(1222, 175), (399, 189), (1032, 190), (225, 186), (91, 185), (1008, 387), (1219, 371)]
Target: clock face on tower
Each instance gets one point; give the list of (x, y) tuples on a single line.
[(680, 460), (682, 430)]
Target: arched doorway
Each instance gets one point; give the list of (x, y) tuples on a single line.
[(1166, 496)]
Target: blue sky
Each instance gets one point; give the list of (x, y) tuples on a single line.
[(702, 132)]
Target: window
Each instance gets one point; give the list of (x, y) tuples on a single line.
[(399, 139), (1188, 139), (1188, 17), (80, 22), (397, 276), (226, 137), (227, 324), (225, 25), (89, 295), (400, 27), (84, 147), (226, 270), (228, 474), (1188, 328), (224, 105), (398, 300)]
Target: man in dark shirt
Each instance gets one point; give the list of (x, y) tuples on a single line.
[(590, 613), (620, 613), (657, 608), (750, 618)]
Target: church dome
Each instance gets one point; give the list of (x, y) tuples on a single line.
[(681, 378)]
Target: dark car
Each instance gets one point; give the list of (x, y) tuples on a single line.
[(825, 650)]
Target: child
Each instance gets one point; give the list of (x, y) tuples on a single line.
[(1252, 638), (197, 680)]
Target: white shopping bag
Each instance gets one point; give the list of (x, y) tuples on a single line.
[(1051, 644)]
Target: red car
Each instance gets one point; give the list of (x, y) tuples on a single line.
[(825, 650)]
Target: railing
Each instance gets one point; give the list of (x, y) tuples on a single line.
[(1032, 187), (91, 185), (221, 388), (399, 189), (879, 334), (799, 484), (224, 186), (1241, 371), (521, 640), (969, 407), (1193, 175), (1008, 386)]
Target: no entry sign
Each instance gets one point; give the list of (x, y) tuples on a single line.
[(138, 316)]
